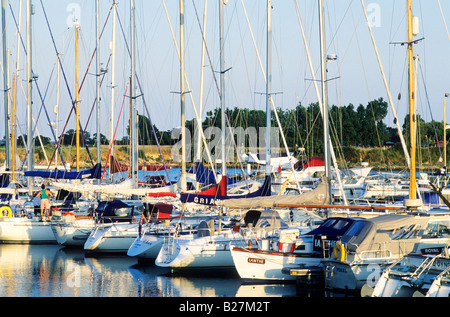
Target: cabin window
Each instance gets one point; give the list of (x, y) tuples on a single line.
[(355, 228), (328, 223), (437, 229), (300, 247), (123, 212), (340, 224)]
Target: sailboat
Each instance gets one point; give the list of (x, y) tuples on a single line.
[(23, 226), (115, 230), (298, 249), (275, 260), (157, 229), (210, 248)]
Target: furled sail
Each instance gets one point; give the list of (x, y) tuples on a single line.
[(318, 196), (93, 173), (217, 194)]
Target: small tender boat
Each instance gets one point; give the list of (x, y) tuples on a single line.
[(411, 276), (441, 285)]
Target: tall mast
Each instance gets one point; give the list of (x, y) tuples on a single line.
[(222, 88), (30, 143), (326, 142), (113, 83), (412, 116), (182, 101), (133, 124), (6, 88), (268, 85), (97, 90), (77, 97)]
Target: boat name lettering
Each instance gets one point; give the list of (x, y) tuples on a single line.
[(206, 201), (318, 243), (435, 250), (256, 261)]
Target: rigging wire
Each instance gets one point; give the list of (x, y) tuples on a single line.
[(36, 83), (429, 107), (66, 82)]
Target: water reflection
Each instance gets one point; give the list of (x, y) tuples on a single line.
[(55, 271), (199, 284)]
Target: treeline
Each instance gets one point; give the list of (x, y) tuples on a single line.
[(363, 126)]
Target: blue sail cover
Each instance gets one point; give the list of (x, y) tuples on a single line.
[(94, 173), (206, 176), (212, 200), (106, 211)]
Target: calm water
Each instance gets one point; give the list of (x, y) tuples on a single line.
[(55, 271)]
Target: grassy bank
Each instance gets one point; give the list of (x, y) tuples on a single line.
[(379, 158)]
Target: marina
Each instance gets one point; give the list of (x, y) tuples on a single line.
[(273, 208)]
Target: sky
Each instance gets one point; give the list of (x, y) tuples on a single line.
[(354, 77)]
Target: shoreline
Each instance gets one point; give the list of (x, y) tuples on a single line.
[(383, 159)]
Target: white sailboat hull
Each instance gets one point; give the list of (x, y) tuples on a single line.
[(206, 252), (114, 238), (146, 246), (24, 230), (257, 265), (74, 235), (440, 286), (388, 287)]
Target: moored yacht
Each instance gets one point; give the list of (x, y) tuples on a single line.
[(210, 247), (116, 231), (24, 226), (73, 230), (372, 245), (272, 258), (159, 228)]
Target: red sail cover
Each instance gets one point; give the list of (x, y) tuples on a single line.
[(315, 161), (311, 162), (217, 190), (162, 194)]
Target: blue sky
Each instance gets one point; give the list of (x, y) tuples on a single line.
[(157, 62)]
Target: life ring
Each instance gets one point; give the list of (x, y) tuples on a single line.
[(8, 209), (339, 251)]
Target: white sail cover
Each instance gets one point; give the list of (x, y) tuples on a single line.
[(125, 188), (318, 196)]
